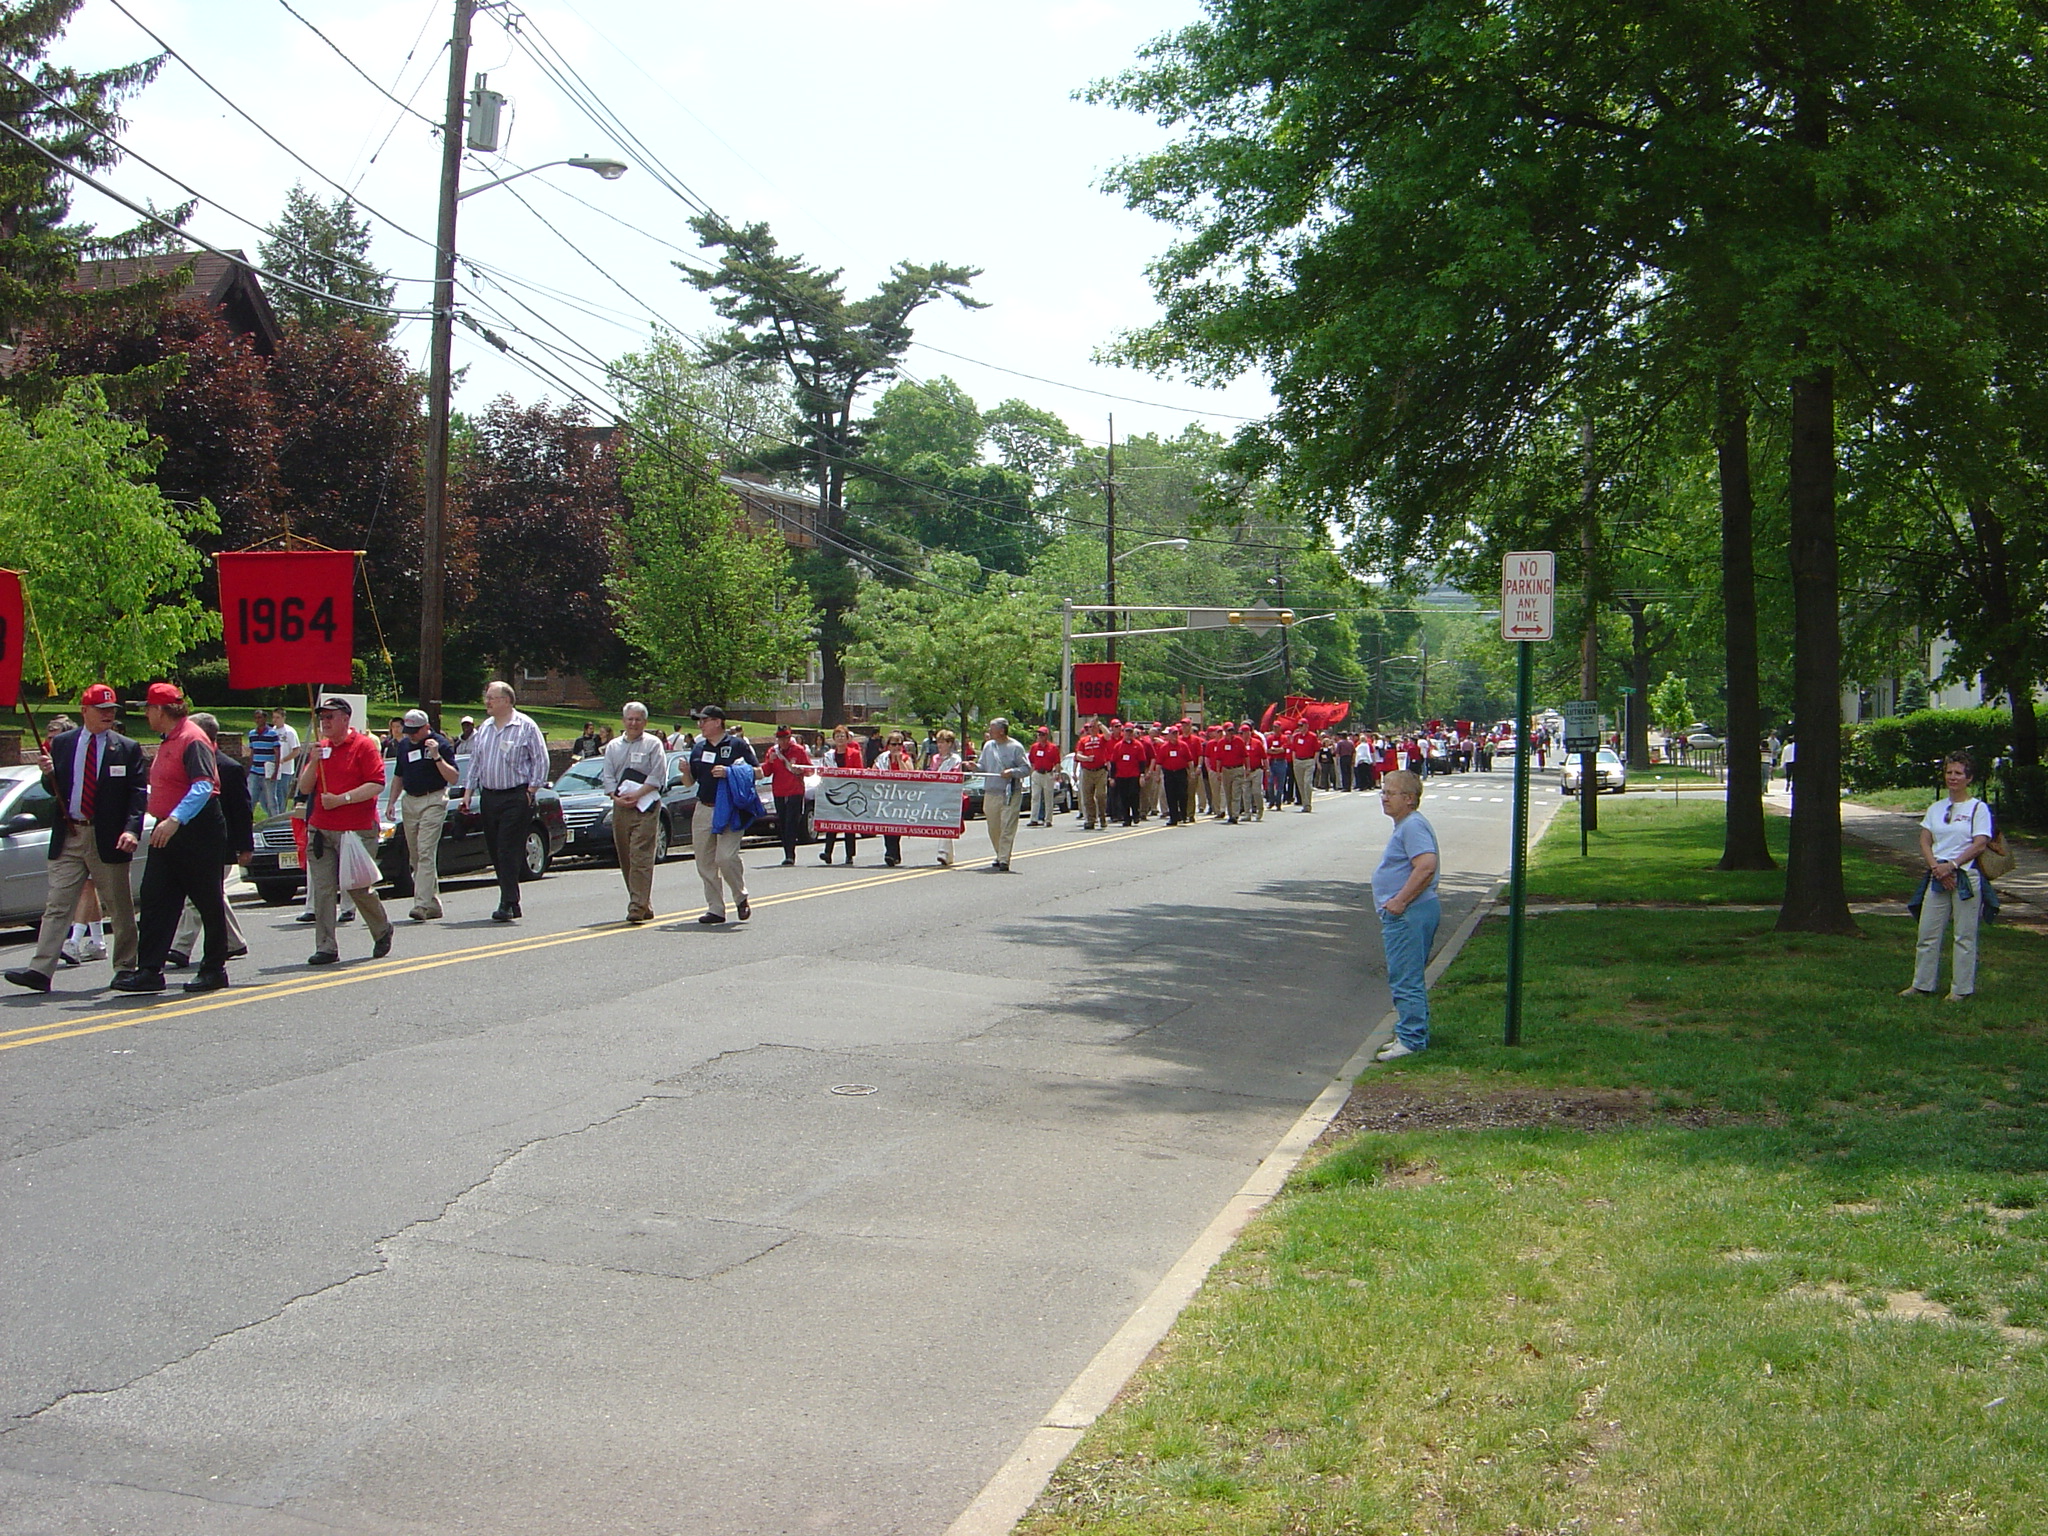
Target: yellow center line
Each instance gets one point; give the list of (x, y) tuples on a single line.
[(58, 1029)]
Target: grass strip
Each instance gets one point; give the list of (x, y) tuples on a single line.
[(1803, 1287), (1664, 849)]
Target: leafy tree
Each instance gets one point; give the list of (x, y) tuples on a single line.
[(792, 315), (72, 114), (108, 562), (541, 505), (325, 245), (959, 644), (1671, 703), (925, 482), (705, 600)]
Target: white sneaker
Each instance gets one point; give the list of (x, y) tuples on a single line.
[(92, 949), (73, 950), (1393, 1050)]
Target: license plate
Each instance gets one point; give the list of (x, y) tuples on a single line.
[(288, 860)]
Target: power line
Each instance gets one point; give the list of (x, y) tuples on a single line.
[(404, 106), (1082, 389), (158, 219)]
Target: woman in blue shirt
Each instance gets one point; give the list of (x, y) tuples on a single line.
[(1404, 894)]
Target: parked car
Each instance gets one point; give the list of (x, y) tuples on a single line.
[(27, 813), (276, 872), (587, 811), (1611, 774)]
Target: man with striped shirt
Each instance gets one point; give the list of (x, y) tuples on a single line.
[(508, 765)]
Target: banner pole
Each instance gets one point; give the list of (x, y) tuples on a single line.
[(1518, 856)]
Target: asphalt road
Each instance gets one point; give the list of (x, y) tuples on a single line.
[(567, 1227)]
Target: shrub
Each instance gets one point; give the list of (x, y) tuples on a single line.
[(2020, 795), (1905, 752)]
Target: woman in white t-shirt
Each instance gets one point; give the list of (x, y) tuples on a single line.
[(1955, 830), (945, 758)]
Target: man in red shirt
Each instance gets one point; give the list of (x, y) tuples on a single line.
[(344, 776), (787, 762), (1302, 745), (1093, 751), (1127, 760), (1258, 788), (187, 848), (1231, 756), (1175, 754), (1044, 757)]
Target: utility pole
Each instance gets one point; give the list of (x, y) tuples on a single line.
[(1109, 542), (1286, 643), (433, 551), (1589, 641)]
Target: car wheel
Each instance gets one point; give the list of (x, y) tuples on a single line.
[(537, 857), (398, 881), (276, 893), (661, 838)]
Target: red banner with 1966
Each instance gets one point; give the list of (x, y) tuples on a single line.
[(288, 616)]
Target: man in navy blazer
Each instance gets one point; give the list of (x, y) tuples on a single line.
[(102, 789)]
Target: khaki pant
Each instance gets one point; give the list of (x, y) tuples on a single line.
[(80, 861), (1305, 782), (1000, 811), (1234, 793), (1148, 795), (1935, 909), (423, 817), (187, 937), (323, 877), (718, 857), (1200, 776), (1095, 796), (1042, 797), (634, 835)]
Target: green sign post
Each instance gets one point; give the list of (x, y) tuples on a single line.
[(1528, 585)]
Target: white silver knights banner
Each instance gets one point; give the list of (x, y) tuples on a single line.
[(875, 803)]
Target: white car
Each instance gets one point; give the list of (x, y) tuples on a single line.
[(1609, 770)]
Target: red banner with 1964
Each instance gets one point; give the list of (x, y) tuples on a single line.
[(11, 638), (288, 616)]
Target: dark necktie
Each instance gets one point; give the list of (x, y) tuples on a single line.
[(89, 787)]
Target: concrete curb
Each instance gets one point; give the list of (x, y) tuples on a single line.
[(1008, 1496)]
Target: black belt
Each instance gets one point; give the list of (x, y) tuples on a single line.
[(516, 789)]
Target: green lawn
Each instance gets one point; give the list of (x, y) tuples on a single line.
[(1808, 1299), (1914, 800), (1665, 849)]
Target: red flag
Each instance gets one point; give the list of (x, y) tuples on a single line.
[(288, 616), (1096, 685), (13, 638)]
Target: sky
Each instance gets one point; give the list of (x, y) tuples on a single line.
[(863, 132)]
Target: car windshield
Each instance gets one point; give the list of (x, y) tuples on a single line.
[(1610, 757), (581, 778)]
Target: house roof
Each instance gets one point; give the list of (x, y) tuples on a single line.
[(224, 282)]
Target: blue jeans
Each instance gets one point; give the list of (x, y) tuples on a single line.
[(1408, 939)]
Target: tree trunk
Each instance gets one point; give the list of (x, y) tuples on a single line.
[(1743, 843), (1815, 899), (1994, 594), (1638, 742)]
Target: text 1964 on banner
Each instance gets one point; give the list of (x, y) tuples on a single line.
[(874, 803), (288, 616)]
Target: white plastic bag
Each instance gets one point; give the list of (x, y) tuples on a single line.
[(359, 870)]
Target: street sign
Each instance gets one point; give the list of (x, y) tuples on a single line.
[(1528, 586), (1208, 618), (1582, 725)]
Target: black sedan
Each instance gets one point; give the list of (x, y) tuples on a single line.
[(277, 871), (587, 811)]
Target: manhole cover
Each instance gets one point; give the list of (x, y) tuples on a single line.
[(853, 1090)]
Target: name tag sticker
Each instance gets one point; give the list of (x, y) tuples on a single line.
[(326, 751), (117, 770), (412, 757)]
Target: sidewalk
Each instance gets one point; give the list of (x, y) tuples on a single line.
[(1900, 832)]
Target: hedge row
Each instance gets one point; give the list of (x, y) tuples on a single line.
[(1905, 752)]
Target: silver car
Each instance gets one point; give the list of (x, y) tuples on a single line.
[(27, 813)]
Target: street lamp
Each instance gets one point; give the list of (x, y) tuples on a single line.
[(433, 557), (610, 170), (1155, 544), (1109, 575)]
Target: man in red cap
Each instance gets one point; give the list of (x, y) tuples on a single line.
[(1044, 757), (1302, 746), (1175, 754), (343, 778), (1258, 758), (187, 848), (1127, 763), (1231, 756), (98, 779), (1092, 752), (787, 762)]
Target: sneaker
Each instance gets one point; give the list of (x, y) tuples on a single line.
[(92, 949), (1913, 991), (1393, 1050)]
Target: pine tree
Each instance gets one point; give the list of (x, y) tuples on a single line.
[(53, 117), (325, 246)]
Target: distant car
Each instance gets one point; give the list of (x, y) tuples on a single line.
[(1704, 741), (1611, 774), (277, 872)]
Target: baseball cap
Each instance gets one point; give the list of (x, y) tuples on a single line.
[(98, 696), (708, 712), (782, 730), (469, 719), (415, 717), (332, 705), (163, 693), (1045, 730)]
